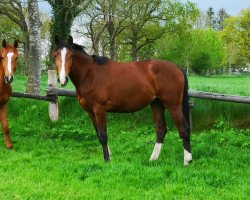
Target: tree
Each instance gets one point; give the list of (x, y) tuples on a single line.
[(139, 25), (15, 11), (221, 17), (105, 23), (200, 49), (210, 22), (236, 37), (64, 12), (34, 78)]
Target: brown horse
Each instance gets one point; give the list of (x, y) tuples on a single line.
[(8, 60), (105, 86)]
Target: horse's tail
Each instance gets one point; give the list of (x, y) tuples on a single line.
[(185, 99)]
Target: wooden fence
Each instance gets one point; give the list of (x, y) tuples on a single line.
[(52, 94)]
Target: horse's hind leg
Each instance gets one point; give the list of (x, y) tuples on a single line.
[(160, 125), (184, 130), (5, 126)]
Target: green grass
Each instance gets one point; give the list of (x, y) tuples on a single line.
[(232, 85), (207, 112), (64, 160)]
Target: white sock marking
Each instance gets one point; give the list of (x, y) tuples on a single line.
[(156, 152), (62, 72), (9, 56), (187, 157), (110, 153)]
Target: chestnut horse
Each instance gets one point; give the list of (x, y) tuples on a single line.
[(103, 85), (8, 60)]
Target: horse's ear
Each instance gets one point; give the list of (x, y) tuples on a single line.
[(57, 40), (16, 43), (4, 43), (70, 40)]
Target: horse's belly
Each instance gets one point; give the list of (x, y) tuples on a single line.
[(129, 104)]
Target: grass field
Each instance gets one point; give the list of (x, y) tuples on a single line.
[(63, 160)]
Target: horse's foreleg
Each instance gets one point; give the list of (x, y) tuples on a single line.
[(184, 131), (160, 125), (99, 117), (5, 126)]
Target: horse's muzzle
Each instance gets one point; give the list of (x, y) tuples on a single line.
[(8, 79), (63, 83)]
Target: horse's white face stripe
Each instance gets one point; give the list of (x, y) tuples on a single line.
[(62, 72), (9, 56)]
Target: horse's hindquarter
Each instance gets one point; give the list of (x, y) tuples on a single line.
[(169, 80)]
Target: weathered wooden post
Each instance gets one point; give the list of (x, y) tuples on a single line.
[(191, 106), (53, 105)]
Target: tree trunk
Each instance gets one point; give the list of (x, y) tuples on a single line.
[(134, 48), (111, 31), (34, 78)]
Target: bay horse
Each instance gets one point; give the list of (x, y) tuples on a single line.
[(103, 85), (8, 60)]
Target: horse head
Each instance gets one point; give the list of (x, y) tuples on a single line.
[(63, 59), (9, 55)]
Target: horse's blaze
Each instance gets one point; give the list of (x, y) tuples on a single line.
[(9, 56), (62, 75)]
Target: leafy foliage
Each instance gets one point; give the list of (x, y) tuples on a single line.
[(236, 37)]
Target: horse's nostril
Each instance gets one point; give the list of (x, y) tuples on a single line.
[(8, 79)]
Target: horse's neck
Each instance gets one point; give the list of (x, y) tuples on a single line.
[(80, 67)]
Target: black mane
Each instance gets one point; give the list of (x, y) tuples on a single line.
[(100, 60), (78, 47)]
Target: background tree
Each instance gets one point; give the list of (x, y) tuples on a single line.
[(142, 25), (15, 11), (34, 78), (221, 17), (210, 22), (236, 37), (207, 51), (30, 28), (64, 12), (105, 23)]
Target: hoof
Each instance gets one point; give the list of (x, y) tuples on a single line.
[(187, 157), (9, 146), (186, 163)]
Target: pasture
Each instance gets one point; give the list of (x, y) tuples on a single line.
[(64, 160)]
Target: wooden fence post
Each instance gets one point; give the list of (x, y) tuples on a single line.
[(191, 106), (53, 106)]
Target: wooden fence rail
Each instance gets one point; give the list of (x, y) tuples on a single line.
[(52, 93), (219, 97)]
